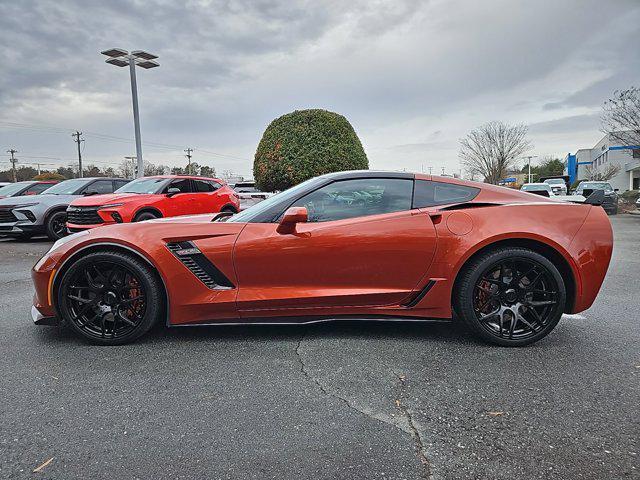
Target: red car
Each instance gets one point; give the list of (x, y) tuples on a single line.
[(29, 187), (349, 245), (153, 197)]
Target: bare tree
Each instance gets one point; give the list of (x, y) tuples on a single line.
[(491, 150), (607, 173), (621, 117)]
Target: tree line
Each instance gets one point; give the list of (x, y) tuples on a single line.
[(126, 169)]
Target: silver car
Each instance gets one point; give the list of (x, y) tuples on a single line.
[(24, 217)]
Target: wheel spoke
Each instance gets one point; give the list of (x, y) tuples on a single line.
[(129, 301), (540, 303), (125, 319), (79, 299)]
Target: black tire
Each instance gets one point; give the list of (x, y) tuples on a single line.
[(56, 225), (510, 296), (142, 216), (110, 297)]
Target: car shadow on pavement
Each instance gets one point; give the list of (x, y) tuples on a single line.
[(436, 331), (348, 330)]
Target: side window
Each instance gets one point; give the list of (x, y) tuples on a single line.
[(428, 193), (99, 186), (120, 183), (183, 184), (202, 186), (215, 185), (357, 198), (37, 188)]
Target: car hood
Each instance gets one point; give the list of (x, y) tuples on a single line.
[(107, 198), (42, 199)]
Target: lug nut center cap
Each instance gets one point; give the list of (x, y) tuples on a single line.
[(110, 298), (510, 295)]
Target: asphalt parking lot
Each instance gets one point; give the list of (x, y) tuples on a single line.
[(331, 401)]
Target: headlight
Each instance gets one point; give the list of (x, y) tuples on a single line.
[(66, 239), (110, 205)]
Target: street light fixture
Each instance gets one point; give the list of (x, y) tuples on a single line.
[(140, 58)]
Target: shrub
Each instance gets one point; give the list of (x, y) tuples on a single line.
[(49, 176), (630, 196), (304, 144)]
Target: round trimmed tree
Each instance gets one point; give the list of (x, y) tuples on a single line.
[(304, 144)]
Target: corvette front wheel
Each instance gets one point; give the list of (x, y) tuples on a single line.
[(510, 296), (110, 298)]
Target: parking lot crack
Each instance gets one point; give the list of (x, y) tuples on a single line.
[(419, 444), (410, 428)]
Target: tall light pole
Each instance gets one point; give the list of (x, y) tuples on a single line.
[(140, 58), (529, 158)]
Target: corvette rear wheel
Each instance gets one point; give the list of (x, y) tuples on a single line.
[(110, 298), (511, 296)]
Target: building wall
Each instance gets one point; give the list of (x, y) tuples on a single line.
[(600, 157)]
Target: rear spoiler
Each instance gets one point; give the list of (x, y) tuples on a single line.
[(596, 198)]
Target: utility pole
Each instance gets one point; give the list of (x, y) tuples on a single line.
[(77, 139), (13, 161), (188, 155), (430, 168)]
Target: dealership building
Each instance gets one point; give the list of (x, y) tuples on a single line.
[(604, 153)]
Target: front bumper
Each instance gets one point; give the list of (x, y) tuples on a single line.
[(17, 229), (41, 319), (75, 227)]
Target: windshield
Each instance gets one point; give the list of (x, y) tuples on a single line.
[(68, 187), (143, 185), (535, 187), (554, 181), (12, 188), (595, 186), (252, 212)]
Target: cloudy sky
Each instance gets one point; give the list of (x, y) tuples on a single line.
[(413, 77)]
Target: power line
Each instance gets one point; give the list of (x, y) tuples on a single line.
[(78, 140), (111, 138)]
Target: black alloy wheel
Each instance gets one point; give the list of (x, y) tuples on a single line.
[(511, 296), (110, 297), (56, 225)]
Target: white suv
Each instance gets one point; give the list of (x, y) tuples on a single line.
[(558, 185)]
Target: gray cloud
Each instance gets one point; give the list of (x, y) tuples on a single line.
[(412, 76)]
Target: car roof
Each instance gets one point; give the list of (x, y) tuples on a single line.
[(193, 177)]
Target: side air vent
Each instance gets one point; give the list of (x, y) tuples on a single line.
[(192, 258)]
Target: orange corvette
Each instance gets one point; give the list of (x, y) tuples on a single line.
[(348, 245)]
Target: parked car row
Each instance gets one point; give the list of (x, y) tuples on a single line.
[(84, 203), (556, 188)]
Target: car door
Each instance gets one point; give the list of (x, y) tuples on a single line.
[(184, 202), (208, 201), (363, 245)]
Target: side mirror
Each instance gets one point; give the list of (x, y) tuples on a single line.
[(172, 191), (616, 189), (291, 217), (88, 193)]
